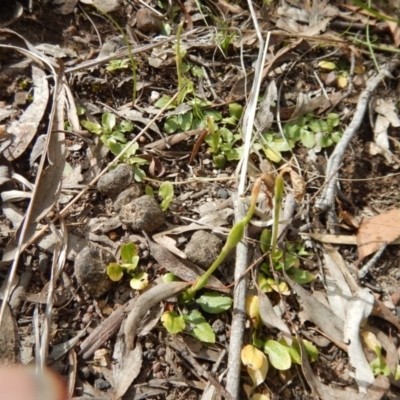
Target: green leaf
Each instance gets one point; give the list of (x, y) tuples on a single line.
[(115, 272), (163, 101), (235, 110), (125, 126), (336, 136), (172, 124), (325, 141), (80, 111), (214, 303), (201, 328), (92, 127), (170, 277), (379, 366), (265, 240), (187, 120), (273, 155), (333, 120), (173, 322), (292, 131), (220, 161), (197, 71), (318, 125), (278, 355), (131, 266), (234, 154), (128, 251), (307, 138), (114, 147), (167, 194), (108, 120), (149, 191), (139, 281), (264, 283), (217, 116), (138, 174)]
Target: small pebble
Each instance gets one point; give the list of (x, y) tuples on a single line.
[(91, 271), (142, 214), (114, 182), (203, 248)]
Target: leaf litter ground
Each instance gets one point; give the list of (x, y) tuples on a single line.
[(313, 84)]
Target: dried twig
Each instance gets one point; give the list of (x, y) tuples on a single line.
[(326, 201)]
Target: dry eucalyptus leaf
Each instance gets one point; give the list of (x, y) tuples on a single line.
[(126, 367), (24, 129), (9, 338), (321, 315), (375, 231)]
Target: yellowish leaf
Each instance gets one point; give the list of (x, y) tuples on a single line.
[(256, 362), (327, 65), (253, 310), (371, 342), (342, 82), (259, 396)]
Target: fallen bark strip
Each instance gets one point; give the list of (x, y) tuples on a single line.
[(326, 201), (143, 304)]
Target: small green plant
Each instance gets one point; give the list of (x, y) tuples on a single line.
[(166, 192), (287, 259), (224, 40), (311, 132), (112, 134), (129, 263), (222, 140), (115, 65), (193, 321)]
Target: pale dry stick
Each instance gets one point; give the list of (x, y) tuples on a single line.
[(93, 24), (326, 201), (27, 220), (239, 296), (64, 212)]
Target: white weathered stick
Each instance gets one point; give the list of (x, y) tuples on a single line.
[(326, 201)]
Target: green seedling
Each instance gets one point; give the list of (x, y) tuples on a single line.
[(287, 259), (166, 192), (311, 132), (115, 65), (224, 39), (234, 237), (112, 134), (193, 322), (221, 142), (128, 264)]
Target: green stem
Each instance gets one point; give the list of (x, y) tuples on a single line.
[(130, 54), (179, 61), (278, 195)]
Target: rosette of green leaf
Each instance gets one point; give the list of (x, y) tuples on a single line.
[(221, 142), (214, 302), (113, 136), (295, 353), (128, 264), (289, 259), (279, 355), (166, 192), (199, 327), (115, 65)]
